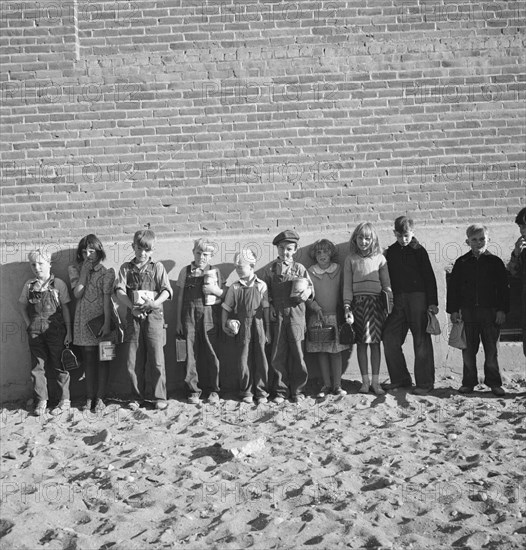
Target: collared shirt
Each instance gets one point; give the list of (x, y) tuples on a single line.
[(317, 270), (159, 275), (233, 294), (197, 272), (60, 289), (286, 268), (283, 267)]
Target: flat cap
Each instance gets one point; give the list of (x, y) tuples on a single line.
[(288, 235)]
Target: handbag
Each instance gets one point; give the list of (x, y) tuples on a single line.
[(346, 334), (69, 359), (457, 336), (321, 334), (433, 326)]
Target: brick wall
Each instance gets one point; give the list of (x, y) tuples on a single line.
[(245, 116)]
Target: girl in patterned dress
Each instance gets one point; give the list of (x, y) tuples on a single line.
[(365, 276), (92, 285), (326, 277)]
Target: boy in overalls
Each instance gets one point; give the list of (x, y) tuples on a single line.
[(248, 300), (287, 314), (197, 319), (44, 307), (142, 285)]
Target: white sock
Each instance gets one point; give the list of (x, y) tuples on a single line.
[(376, 379)]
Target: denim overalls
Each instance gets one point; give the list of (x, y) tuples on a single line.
[(201, 325), (288, 334), (145, 339), (253, 363), (46, 338)]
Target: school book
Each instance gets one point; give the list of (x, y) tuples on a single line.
[(95, 325), (386, 303)]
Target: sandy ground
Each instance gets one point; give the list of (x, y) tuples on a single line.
[(397, 471)]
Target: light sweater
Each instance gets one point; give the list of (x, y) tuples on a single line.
[(367, 275)]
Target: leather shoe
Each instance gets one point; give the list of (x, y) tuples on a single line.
[(396, 385), (421, 391)]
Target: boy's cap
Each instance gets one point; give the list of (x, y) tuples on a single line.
[(289, 235)]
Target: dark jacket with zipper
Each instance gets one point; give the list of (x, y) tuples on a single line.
[(478, 282)]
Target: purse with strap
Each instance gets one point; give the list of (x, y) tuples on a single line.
[(346, 334), (321, 334)]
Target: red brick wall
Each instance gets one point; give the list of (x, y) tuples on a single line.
[(245, 116)]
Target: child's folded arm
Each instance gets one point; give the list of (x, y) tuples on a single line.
[(149, 305), (74, 279)]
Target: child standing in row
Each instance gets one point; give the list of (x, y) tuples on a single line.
[(44, 308), (517, 267), (415, 292), (247, 299), (198, 316), (92, 286), (142, 285), (365, 276), (326, 276), (478, 293), (288, 317)]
